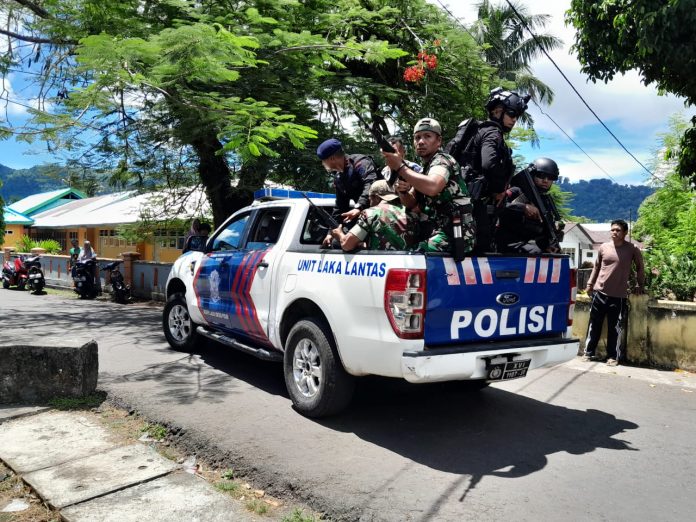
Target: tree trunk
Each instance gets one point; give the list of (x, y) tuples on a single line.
[(216, 178)]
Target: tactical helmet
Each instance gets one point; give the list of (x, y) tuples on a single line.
[(545, 165), (508, 99)]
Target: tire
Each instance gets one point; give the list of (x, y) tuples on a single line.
[(21, 285), (38, 287), (314, 376), (5, 284), (120, 293), (178, 327)]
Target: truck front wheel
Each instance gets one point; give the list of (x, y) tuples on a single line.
[(178, 327), (314, 376)]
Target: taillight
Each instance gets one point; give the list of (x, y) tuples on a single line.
[(573, 294), (404, 302)]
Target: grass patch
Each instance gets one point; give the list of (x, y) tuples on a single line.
[(228, 474), (257, 506), (156, 431), (298, 516), (78, 403), (227, 486)]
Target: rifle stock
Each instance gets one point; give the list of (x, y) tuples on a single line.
[(383, 144)]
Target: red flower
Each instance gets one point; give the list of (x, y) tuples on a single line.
[(414, 74)]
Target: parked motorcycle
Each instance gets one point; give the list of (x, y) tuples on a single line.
[(83, 276), (14, 273), (121, 291), (35, 273)]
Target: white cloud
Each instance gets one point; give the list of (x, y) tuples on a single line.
[(9, 99)]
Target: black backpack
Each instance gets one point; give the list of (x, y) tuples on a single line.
[(461, 146)]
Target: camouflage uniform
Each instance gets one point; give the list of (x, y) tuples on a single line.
[(437, 210), (387, 227)]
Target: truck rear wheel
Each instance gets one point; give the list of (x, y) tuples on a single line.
[(314, 376), (178, 327)]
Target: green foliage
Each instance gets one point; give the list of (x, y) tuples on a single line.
[(156, 431), (51, 246), (671, 276), (298, 516), (602, 200), (652, 36), (25, 244), (2, 218)]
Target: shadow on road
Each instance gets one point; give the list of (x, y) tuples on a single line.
[(474, 434)]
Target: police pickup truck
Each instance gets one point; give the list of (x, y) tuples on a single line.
[(263, 284)]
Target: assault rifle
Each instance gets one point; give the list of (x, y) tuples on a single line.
[(327, 218), (549, 213), (383, 144)]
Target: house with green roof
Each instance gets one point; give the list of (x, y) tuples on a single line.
[(18, 215)]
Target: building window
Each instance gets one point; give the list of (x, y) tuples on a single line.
[(589, 255), (9, 232), (108, 238), (73, 235), (569, 251), (170, 238)]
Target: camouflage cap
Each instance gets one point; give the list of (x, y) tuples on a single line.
[(382, 189), (428, 124)]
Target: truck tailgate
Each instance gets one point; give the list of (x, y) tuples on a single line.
[(495, 298)]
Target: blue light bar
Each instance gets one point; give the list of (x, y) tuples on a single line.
[(277, 193)]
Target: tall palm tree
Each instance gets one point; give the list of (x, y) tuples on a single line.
[(509, 47)]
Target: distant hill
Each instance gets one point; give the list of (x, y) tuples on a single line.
[(20, 183), (602, 200)]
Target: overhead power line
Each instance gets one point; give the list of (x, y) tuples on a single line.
[(543, 49)]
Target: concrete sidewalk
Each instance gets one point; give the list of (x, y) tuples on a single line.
[(78, 468)]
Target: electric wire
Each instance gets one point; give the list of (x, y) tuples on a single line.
[(543, 49)]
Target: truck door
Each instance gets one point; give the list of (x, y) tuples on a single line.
[(234, 281)]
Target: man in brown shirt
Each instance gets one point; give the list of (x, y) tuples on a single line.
[(608, 286)]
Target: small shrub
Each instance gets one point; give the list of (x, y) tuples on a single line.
[(670, 276), (51, 246), (227, 486), (257, 506), (25, 244), (78, 403), (156, 431), (228, 474), (298, 516)]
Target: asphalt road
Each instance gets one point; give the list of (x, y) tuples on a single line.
[(576, 442)]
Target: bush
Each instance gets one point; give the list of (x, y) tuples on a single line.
[(671, 276), (51, 246), (25, 244)]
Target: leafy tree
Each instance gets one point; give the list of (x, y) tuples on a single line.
[(508, 46), (653, 36), (219, 89)]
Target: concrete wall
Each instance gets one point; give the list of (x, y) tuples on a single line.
[(659, 334)]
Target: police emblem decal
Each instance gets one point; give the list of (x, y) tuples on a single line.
[(214, 286)]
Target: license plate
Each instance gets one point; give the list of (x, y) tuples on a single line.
[(508, 370)]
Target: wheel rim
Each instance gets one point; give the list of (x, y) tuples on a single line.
[(306, 368), (179, 322)]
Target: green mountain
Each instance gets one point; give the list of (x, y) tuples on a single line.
[(602, 200), (20, 183)]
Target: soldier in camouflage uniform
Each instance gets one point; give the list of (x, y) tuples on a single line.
[(439, 195), (386, 225)]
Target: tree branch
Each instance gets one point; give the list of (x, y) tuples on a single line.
[(32, 39), (36, 9)]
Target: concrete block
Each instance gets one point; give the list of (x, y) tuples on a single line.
[(48, 439), (179, 496), (98, 474), (35, 371), (10, 412)]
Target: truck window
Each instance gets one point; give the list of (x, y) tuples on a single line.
[(314, 230), (230, 237), (267, 228)]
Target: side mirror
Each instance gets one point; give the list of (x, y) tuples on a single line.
[(195, 244)]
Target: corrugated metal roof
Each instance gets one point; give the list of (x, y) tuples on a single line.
[(35, 202), (15, 218), (123, 208)]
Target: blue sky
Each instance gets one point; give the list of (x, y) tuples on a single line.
[(634, 112)]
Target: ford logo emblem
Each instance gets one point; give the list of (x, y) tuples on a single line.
[(508, 299)]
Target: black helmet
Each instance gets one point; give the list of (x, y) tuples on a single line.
[(545, 165), (508, 99)]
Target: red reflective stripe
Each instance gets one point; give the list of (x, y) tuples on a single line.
[(451, 271), (469, 272), (529, 273), (485, 269), (543, 270), (556, 273), (246, 295), (234, 292)]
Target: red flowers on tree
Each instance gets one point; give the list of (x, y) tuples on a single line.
[(425, 62)]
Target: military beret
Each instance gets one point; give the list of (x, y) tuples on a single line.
[(329, 148)]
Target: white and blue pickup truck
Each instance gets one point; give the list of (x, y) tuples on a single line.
[(263, 284)]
